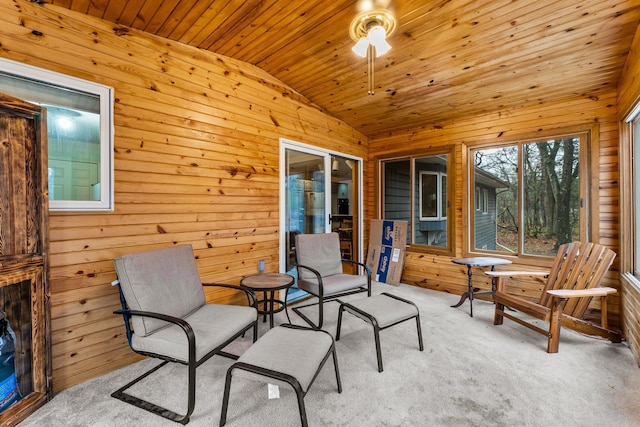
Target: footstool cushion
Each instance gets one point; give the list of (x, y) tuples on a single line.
[(381, 311), (295, 352), (287, 355)]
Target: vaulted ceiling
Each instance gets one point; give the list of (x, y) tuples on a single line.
[(450, 58)]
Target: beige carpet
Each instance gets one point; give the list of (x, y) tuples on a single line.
[(471, 373)]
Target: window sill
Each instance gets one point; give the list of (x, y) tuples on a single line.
[(630, 280)]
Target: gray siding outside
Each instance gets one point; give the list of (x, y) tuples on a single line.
[(485, 222), (397, 193), (397, 206)]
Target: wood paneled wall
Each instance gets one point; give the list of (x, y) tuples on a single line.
[(437, 272), (628, 98), (196, 161)]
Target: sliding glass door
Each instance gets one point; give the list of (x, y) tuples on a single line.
[(306, 205), (319, 193)]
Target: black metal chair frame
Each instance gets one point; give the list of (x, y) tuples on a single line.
[(322, 299), (377, 328), (192, 363), (269, 373)]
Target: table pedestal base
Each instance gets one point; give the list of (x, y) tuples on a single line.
[(477, 262)]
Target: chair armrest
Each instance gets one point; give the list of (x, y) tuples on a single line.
[(516, 273), (160, 316), (184, 325), (253, 301), (364, 266), (502, 276), (313, 270), (565, 294), (580, 293)]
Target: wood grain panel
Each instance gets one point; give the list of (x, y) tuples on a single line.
[(426, 271), (628, 98), (631, 315), (466, 57), (196, 133), (196, 161), (24, 293)]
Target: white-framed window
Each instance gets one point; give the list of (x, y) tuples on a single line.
[(630, 196), (535, 194), (414, 188), (635, 130), (79, 133), (433, 196)]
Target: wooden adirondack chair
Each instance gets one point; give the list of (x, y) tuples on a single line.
[(571, 284)]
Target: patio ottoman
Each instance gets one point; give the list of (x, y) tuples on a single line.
[(381, 311), (287, 355)]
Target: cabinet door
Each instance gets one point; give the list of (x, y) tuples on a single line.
[(26, 363)]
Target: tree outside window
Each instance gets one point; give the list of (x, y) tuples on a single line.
[(535, 195)]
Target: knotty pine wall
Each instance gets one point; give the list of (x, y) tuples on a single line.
[(628, 98), (196, 161), (437, 272)]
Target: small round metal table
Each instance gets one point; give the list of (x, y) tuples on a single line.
[(269, 283), (477, 262)]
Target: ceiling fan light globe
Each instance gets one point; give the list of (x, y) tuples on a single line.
[(360, 48), (382, 48), (377, 37)]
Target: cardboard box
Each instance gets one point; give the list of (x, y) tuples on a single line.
[(388, 233), (387, 248)]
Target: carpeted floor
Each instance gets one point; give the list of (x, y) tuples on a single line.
[(471, 373)]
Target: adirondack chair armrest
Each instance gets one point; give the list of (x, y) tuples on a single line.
[(516, 273), (565, 294), (580, 293), (501, 276)]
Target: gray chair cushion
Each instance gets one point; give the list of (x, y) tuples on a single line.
[(212, 325), (297, 352), (320, 252), (332, 285), (161, 281), (386, 310)]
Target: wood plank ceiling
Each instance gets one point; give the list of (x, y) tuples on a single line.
[(450, 58)]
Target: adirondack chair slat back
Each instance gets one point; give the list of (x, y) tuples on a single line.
[(577, 266)]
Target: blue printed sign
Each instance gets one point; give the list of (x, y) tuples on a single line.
[(383, 263), (387, 233)]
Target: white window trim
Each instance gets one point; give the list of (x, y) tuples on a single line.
[(439, 195), (589, 164), (105, 93), (485, 201), (630, 198)]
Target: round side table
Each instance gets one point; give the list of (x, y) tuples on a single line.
[(269, 283), (477, 262)]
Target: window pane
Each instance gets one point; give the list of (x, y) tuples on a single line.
[(430, 225), (74, 154), (428, 195), (397, 192), (551, 196), (443, 197), (636, 195), (495, 219), (79, 132)]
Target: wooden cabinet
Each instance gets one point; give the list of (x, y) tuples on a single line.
[(24, 295)]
